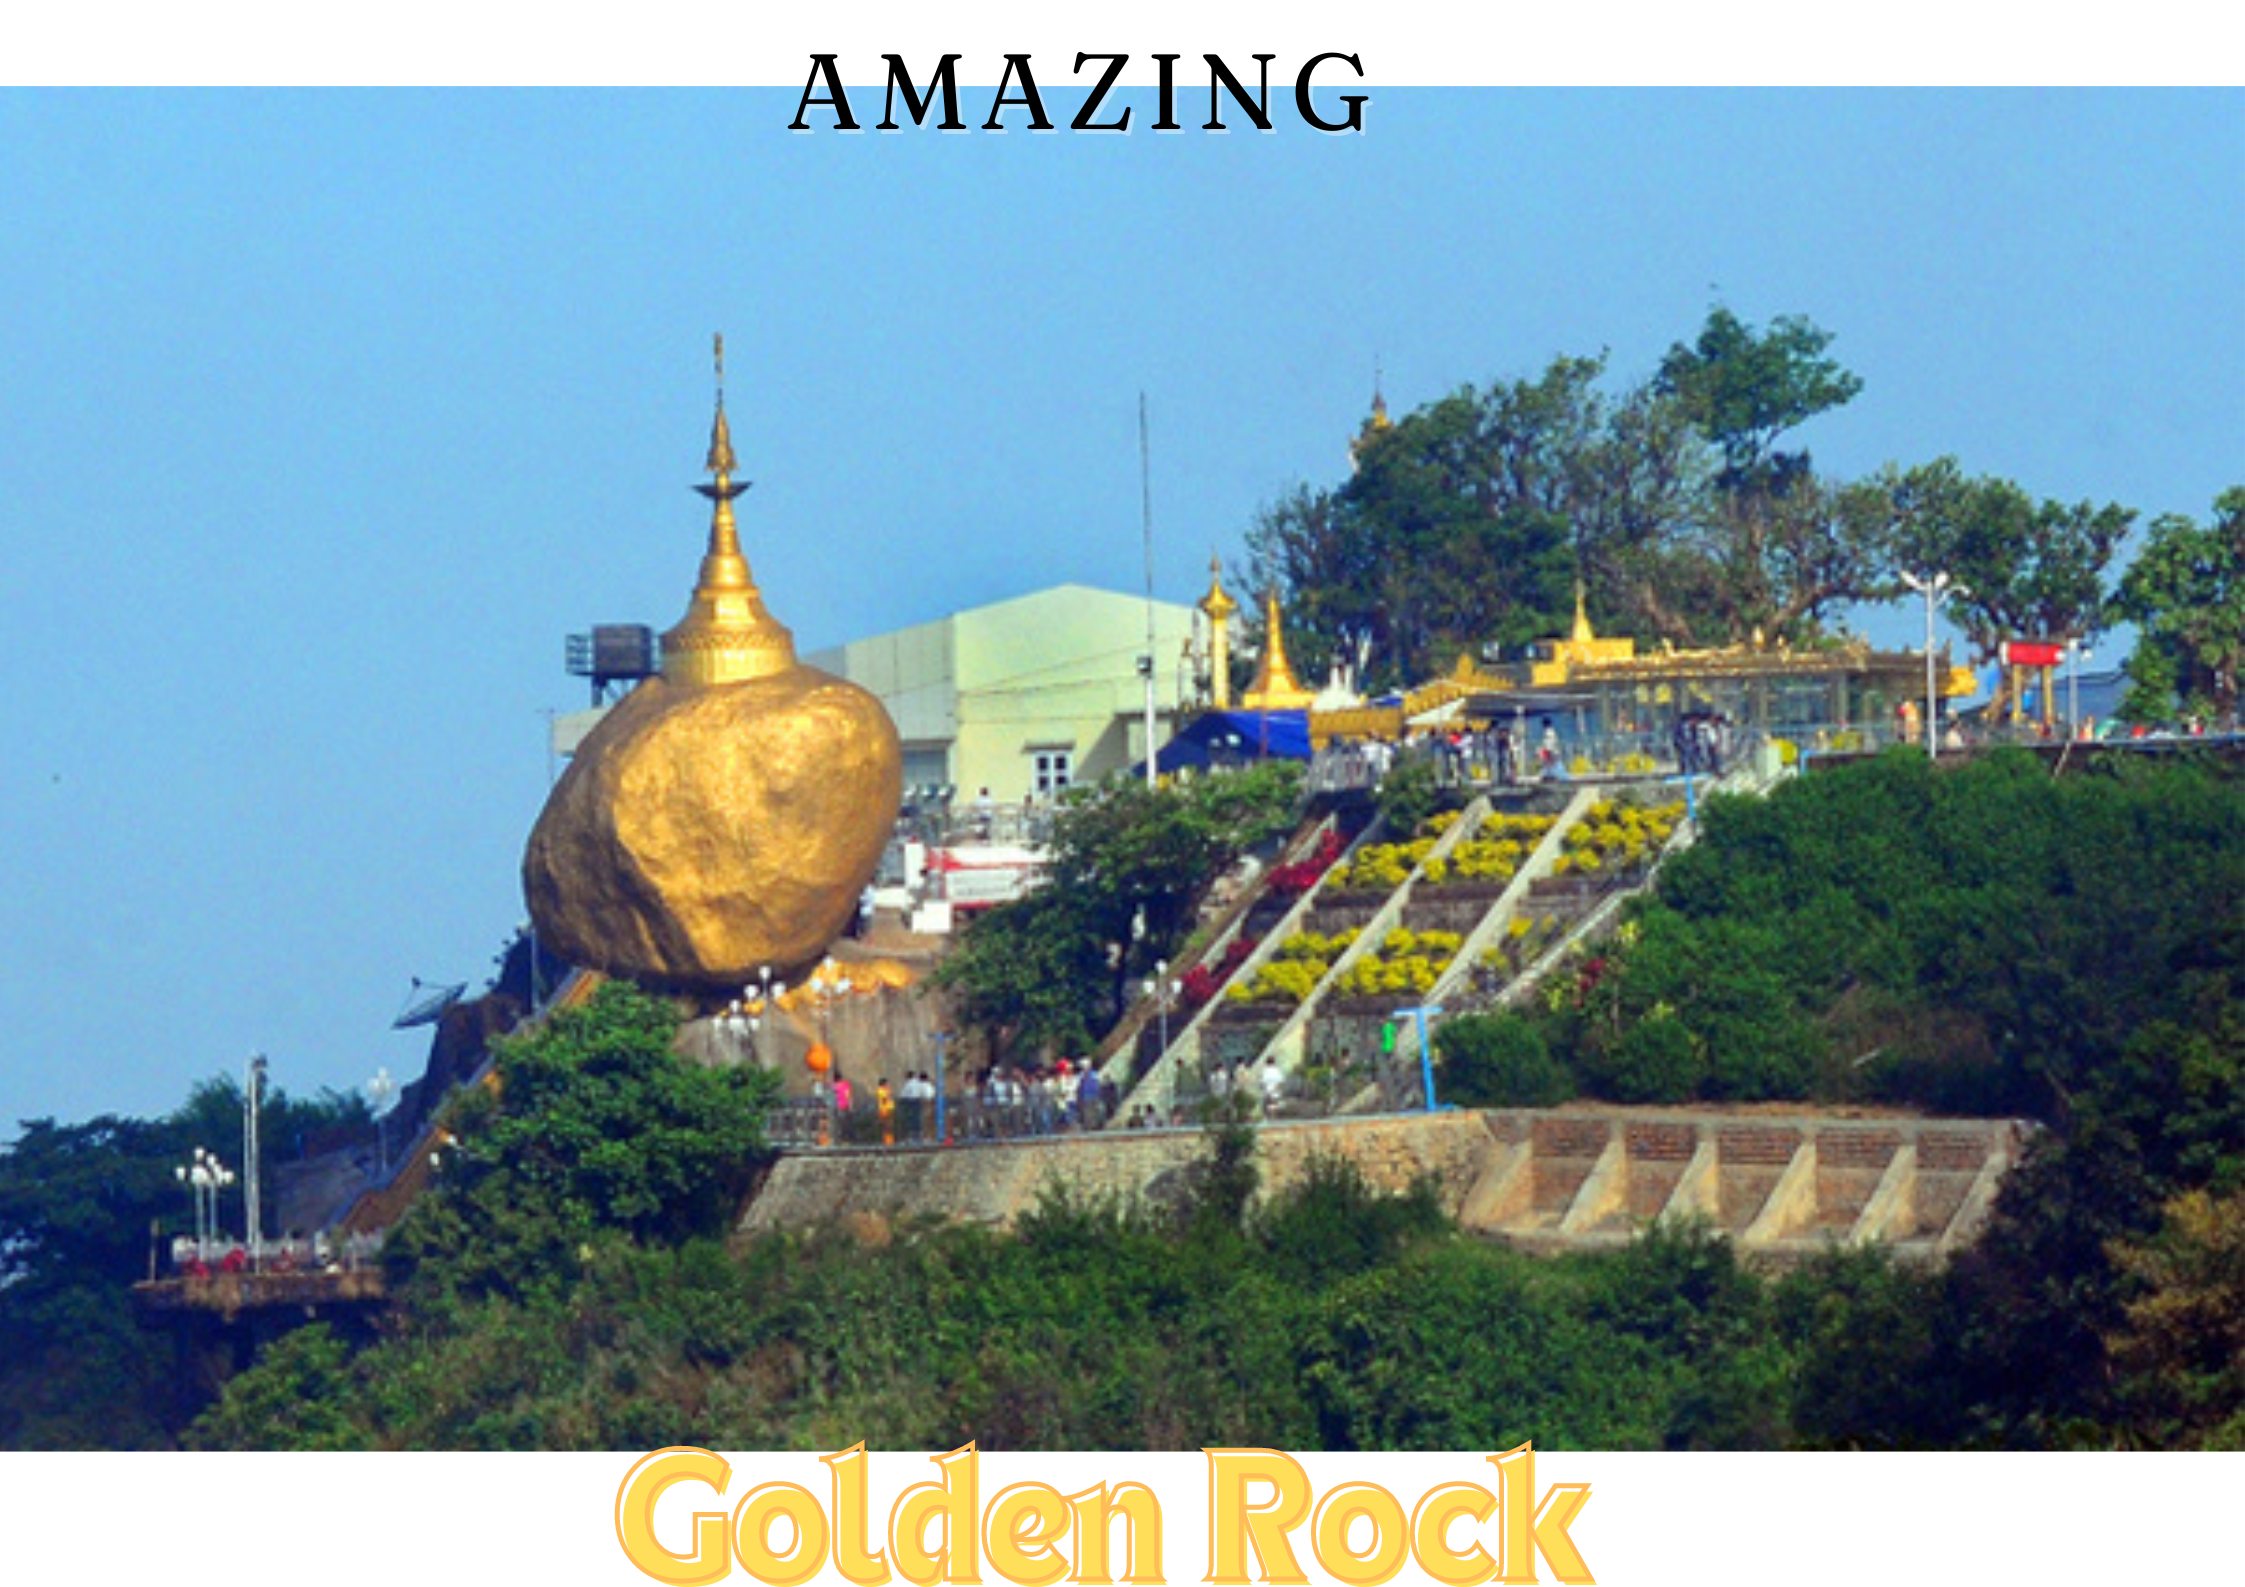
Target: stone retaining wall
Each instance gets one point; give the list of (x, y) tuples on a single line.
[(1546, 1180)]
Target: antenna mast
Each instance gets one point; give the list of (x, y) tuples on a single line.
[(1146, 524)]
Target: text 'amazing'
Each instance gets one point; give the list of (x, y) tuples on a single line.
[(1018, 87)]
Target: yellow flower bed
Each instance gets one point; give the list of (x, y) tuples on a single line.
[(1495, 853), (1407, 962), (1385, 864), (1616, 836), (1299, 963)]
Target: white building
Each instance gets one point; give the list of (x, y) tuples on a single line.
[(1025, 696)]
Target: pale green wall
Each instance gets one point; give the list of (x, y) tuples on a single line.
[(1053, 670)]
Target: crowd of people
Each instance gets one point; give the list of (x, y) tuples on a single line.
[(1004, 1101), (1496, 752), (324, 1252)]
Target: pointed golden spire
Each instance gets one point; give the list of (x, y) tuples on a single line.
[(1583, 635), (721, 461), (1275, 687), (726, 634)]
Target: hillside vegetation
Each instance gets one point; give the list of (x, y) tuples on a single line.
[(1988, 936)]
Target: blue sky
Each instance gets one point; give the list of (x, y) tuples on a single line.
[(327, 415)]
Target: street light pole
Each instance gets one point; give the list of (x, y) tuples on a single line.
[(1146, 525), (382, 1089), (754, 1006), (254, 1221), (205, 1177), (191, 1175), (1937, 588)]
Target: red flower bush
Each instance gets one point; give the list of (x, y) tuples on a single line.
[(1303, 874)]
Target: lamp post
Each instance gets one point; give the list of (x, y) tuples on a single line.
[(1419, 1016), (1937, 588), (752, 1008), (254, 1215), (205, 1177), (382, 1091), (1161, 989), (191, 1175), (826, 992)]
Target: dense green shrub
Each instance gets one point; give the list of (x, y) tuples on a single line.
[(1654, 1060), (1499, 1061)]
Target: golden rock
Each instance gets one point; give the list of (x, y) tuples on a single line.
[(702, 833), (726, 815)]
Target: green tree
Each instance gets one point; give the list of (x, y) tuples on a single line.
[(1328, 575), (2185, 592), (1746, 389), (1468, 521), (2182, 1346), (84, 1211), (1128, 866), (1450, 534), (1771, 550), (2027, 569), (592, 1128)]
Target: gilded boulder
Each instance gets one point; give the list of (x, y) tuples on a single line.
[(702, 832)]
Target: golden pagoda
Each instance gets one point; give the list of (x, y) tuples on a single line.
[(1220, 608), (1582, 648), (727, 814), (726, 635), (1275, 688)]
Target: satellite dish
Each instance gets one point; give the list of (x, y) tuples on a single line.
[(425, 1004)]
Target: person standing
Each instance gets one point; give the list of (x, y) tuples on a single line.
[(884, 1107), (912, 1097)]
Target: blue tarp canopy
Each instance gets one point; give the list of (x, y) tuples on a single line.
[(1228, 737)]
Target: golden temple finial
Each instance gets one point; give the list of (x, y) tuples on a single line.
[(1377, 422), (1217, 603), (1583, 634), (721, 461), (1220, 607), (726, 634)]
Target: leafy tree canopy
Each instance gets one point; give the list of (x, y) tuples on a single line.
[(2185, 592), (2026, 569), (1128, 865), (591, 1129), (1745, 389)]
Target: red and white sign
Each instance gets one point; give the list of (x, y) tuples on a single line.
[(978, 875), (2032, 652)]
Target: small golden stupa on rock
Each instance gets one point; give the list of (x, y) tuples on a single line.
[(726, 815)]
